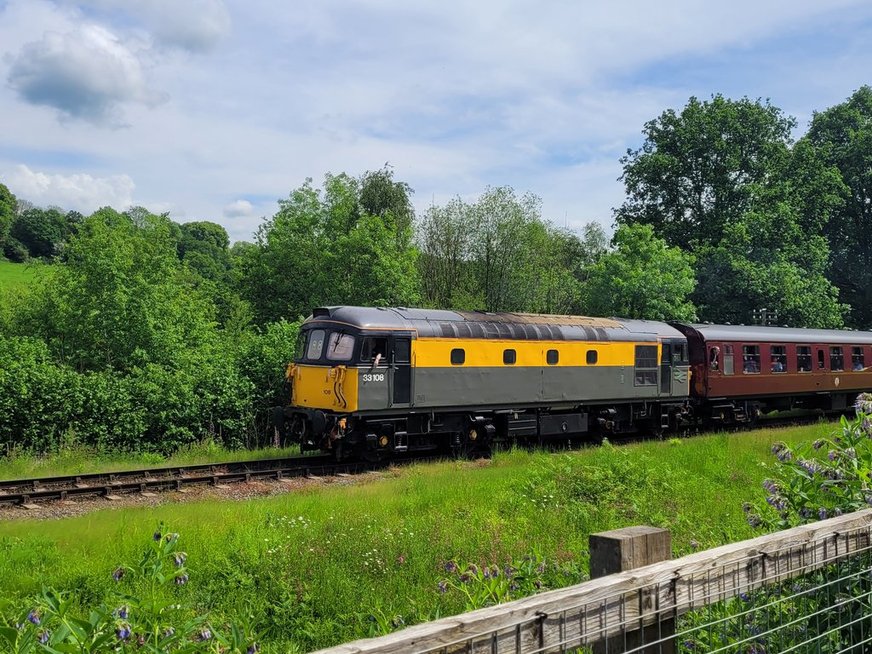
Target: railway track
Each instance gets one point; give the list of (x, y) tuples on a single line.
[(112, 485)]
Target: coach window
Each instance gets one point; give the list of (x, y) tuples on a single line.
[(858, 360), (837, 359), (646, 366), (510, 357), (821, 363), (316, 344), (751, 359), (552, 357), (458, 356), (374, 348), (778, 358), (340, 347), (729, 368), (591, 357), (803, 358), (715, 358)]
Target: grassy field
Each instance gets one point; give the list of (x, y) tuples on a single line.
[(17, 275), (332, 564)]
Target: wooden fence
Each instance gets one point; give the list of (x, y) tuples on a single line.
[(636, 609)]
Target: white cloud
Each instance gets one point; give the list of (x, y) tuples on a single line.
[(86, 73), (79, 191), (238, 209)]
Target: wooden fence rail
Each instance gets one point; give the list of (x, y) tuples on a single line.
[(633, 600)]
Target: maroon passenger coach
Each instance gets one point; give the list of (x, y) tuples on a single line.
[(742, 371)]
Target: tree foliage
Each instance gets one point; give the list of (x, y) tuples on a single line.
[(8, 208), (642, 277)]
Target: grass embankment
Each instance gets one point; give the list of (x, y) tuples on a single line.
[(17, 275), (338, 563), (77, 460)]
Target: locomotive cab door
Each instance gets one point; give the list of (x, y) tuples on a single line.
[(401, 370), (666, 368)]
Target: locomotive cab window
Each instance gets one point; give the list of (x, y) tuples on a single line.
[(509, 357), (552, 357), (803, 358), (679, 353), (458, 356), (858, 360), (778, 358), (316, 344), (591, 357), (646, 366), (374, 347), (402, 350), (837, 359), (340, 346), (750, 359)]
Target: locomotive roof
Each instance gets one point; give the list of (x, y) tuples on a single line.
[(481, 324), (758, 334)]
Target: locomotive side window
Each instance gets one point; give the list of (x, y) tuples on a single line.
[(300, 350), (751, 359), (402, 350), (591, 357), (340, 347), (679, 353), (316, 344), (374, 347), (509, 357), (646, 366), (858, 360), (778, 358), (458, 356), (552, 357), (803, 358), (837, 359)]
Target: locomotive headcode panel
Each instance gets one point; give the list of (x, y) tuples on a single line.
[(374, 380)]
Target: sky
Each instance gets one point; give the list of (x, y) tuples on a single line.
[(216, 109)]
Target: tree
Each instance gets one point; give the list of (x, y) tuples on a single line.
[(696, 170), (8, 207), (842, 137), (642, 277), (41, 231), (325, 247)]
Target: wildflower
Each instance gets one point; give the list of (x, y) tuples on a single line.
[(770, 486), (119, 572), (171, 537), (494, 571), (778, 447), (252, 649), (397, 621), (509, 571), (466, 577), (694, 545), (777, 502), (33, 617), (181, 580), (540, 568), (121, 612), (785, 456), (204, 635), (486, 573), (811, 467), (472, 568), (744, 597), (864, 403), (689, 644), (822, 513), (450, 567), (819, 443), (169, 632), (832, 454), (443, 587), (401, 559), (837, 512), (123, 631), (754, 520), (805, 513), (43, 637), (850, 453), (537, 584), (746, 507), (180, 558)]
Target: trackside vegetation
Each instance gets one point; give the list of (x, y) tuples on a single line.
[(329, 564)]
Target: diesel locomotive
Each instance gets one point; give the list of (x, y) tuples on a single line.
[(368, 382)]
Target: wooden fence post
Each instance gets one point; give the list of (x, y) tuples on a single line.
[(625, 549)]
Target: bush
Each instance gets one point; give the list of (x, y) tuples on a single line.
[(15, 250)]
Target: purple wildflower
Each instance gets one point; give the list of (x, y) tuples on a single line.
[(850, 453), (777, 502), (819, 443), (157, 536), (252, 649), (770, 486), (204, 635), (450, 567), (121, 612), (837, 512), (811, 467), (43, 637), (169, 632), (486, 573), (472, 568), (754, 520), (540, 569), (180, 558), (832, 454), (171, 537), (694, 545), (119, 572), (33, 617), (443, 587), (746, 507), (466, 577), (822, 513), (744, 597), (181, 580), (785, 456), (778, 447), (123, 631), (805, 513)]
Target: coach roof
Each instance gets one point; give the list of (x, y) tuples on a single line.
[(435, 323), (757, 334)]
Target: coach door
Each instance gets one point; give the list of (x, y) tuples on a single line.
[(401, 382)]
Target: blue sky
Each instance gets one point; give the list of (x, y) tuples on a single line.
[(215, 109)]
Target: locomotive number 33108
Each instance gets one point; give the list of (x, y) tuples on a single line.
[(376, 377)]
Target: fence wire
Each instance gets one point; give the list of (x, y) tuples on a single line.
[(809, 597)]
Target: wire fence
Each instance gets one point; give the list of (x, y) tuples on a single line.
[(807, 589)]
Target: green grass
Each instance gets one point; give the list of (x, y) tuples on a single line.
[(77, 459), (17, 275), (331, 564)]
